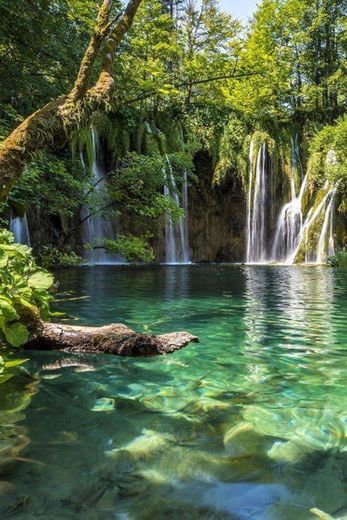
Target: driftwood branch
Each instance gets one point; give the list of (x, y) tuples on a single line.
[(113, 339)]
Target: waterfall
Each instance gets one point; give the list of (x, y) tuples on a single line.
[(176, 234), (257, 199), (249, 200), (326, 247), (291, 219), (289, 225), (94, 227), (326, 205), (20, 229), (293, 231)]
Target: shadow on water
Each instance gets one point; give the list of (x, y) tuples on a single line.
[(249, 424)]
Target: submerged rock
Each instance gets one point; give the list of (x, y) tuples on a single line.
[(243, 439), (145, 445), (104, 404)]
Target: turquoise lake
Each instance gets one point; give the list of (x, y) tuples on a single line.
[(249, 424)]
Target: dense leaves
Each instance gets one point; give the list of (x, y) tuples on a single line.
[(24, 291)]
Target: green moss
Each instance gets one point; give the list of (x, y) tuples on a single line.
[(154, 139), (173, 131), (231, 155)]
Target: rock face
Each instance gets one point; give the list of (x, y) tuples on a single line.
[(116, 339), (217, 216)]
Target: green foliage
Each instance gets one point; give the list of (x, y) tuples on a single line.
[(296, 51), (133, 248), (41, 43), (54, 185), (328, 157), (24, 290), (231, 156), (136, 186), (339, 259), (54, 258)]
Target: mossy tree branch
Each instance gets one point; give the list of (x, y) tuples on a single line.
[(48, 125)]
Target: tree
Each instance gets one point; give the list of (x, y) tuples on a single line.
[(299, 49), (57, 119)]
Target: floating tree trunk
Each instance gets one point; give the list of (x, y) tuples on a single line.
[(113, 339)]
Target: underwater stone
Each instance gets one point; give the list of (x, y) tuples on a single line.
[(143, 446), (243, 440), (286, 452), (105, 404)]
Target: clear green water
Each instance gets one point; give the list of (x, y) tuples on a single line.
[(249, 424)]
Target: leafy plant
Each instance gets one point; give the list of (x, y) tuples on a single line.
[(53, 258), (339, 259), (24, 291), (131, 247)]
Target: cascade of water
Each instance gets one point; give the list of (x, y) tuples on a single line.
[(176, 235), (326, 239), (249, 200), (290, 220), (292, 230), (311, 217), (95, 228), (170, 244), (185, 203), (289, 226), (20, 229), (256, 241)]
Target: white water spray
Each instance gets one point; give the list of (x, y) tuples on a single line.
[(256, 241), (176, 235), (289, 226), (95, 228), (20, 229), (326, 246)]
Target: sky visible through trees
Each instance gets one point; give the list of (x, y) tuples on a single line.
[(242, 9)]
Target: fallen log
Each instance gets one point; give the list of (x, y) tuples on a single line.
[(113, 339)]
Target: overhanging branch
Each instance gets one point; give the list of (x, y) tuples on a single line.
[(151, 93)]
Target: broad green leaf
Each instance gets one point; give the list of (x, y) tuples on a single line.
[(3, 259), (7, 310), (15, 362), (16, 249), (41, 280), (16, 334)]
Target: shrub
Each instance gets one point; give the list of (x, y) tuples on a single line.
[(53, 258), (131, 247), (339, 259)]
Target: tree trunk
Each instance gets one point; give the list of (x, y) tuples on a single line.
[(38, 131), (113, 339)]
